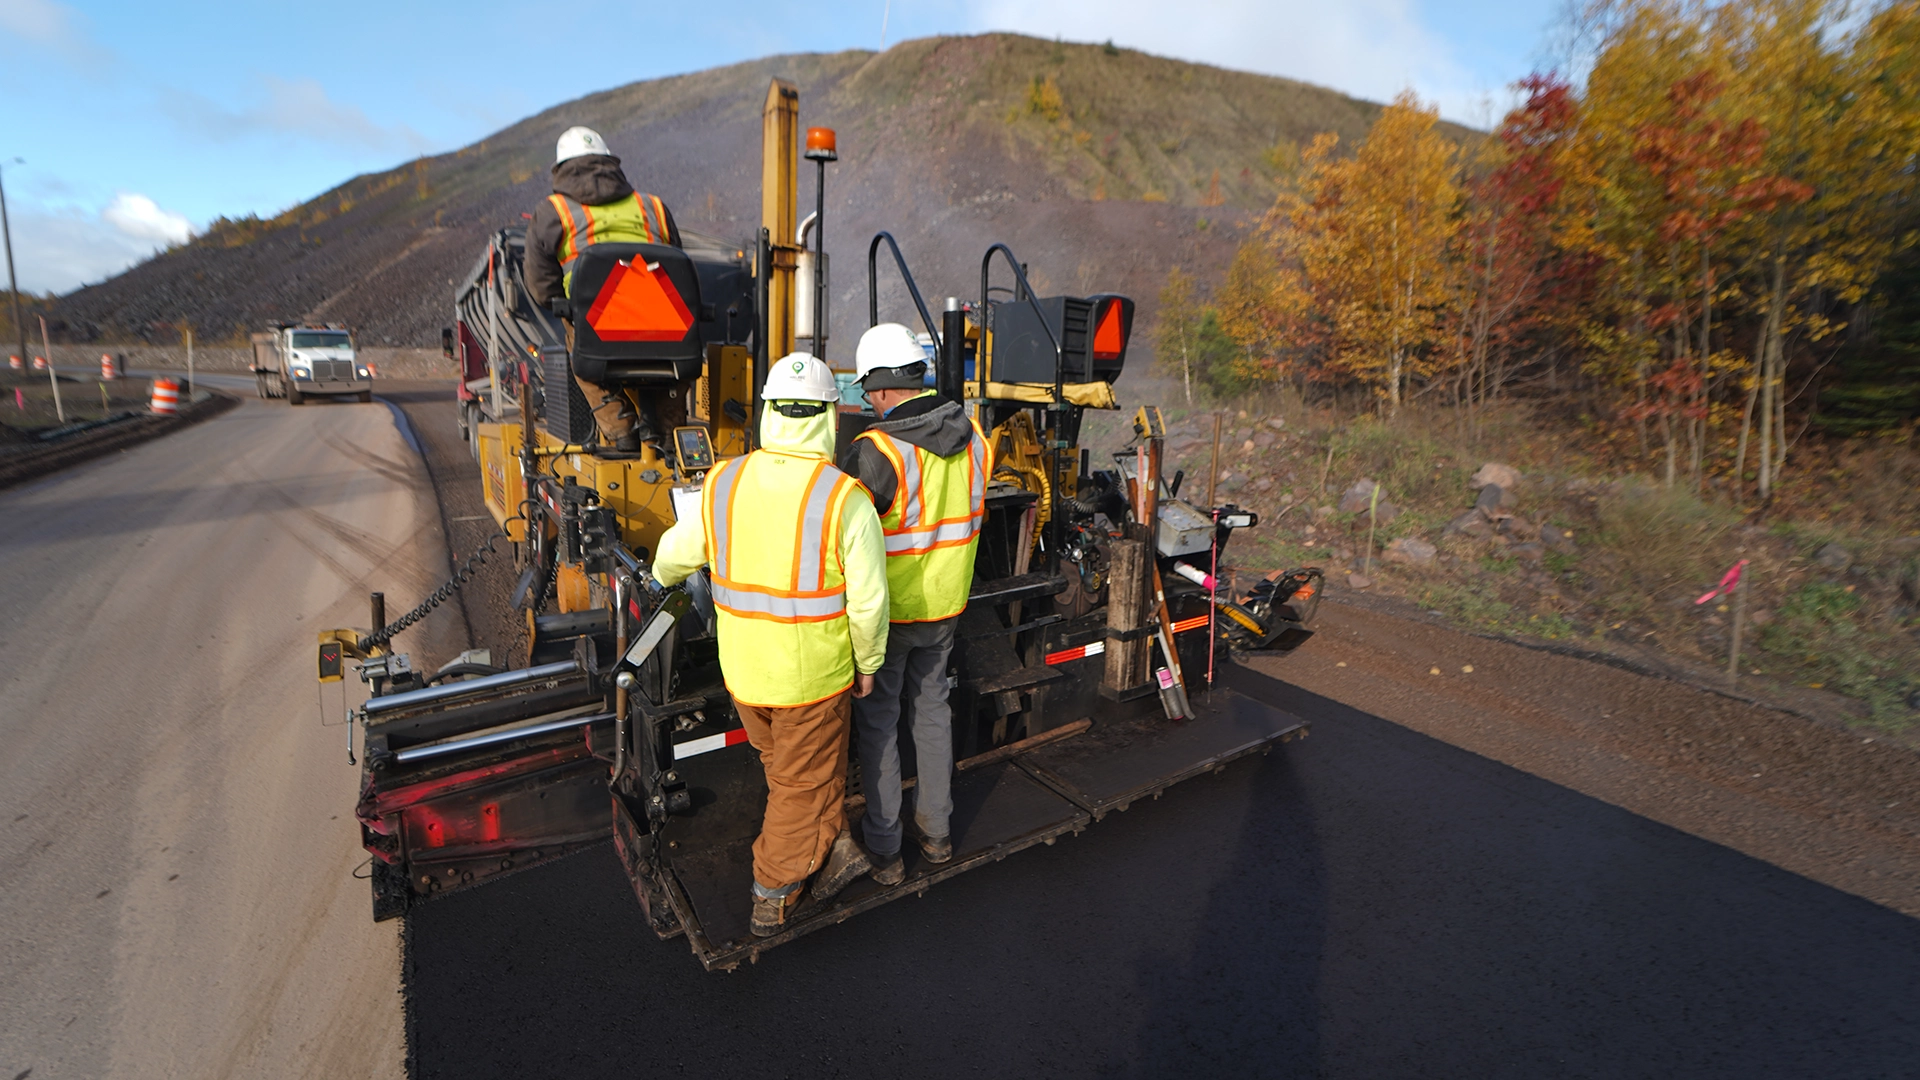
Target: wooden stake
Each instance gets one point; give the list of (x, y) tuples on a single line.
[(1128, 559), (1373, 523), (46, 346), (1739, 624)]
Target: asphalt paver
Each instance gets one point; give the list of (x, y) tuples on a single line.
[(1369, 902)]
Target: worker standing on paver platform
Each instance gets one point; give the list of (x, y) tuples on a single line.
[(592, 203), (926, 464), (799, 575)]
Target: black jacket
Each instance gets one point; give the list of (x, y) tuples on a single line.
[(593, 180), (932, 423)]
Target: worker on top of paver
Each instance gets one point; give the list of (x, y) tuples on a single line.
[(592, 203), (798, 566), (926, 464)]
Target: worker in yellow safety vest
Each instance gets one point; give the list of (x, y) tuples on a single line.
[(592, 203), (926, 464), (798, 569)]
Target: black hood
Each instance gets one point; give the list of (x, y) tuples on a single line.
[(931, 422), (593, 180)]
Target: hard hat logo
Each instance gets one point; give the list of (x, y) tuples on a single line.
[(800, 377)]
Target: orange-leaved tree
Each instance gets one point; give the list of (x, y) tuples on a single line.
[(1366, 243)]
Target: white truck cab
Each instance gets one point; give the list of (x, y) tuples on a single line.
[(298, 361)]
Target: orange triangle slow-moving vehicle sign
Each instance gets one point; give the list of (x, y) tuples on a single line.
[(639, 303), (1108, 339)]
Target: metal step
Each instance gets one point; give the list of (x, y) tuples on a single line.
[(1031, 798)]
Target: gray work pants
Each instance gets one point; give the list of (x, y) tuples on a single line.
[(916, 667)]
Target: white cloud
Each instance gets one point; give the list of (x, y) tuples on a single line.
[(60, 249), (299, 107), (47, 25), (140, 218), (1370, 48)]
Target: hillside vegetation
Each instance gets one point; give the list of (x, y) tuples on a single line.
[(1101, 166), (1678, 304)]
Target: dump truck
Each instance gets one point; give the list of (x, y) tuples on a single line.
[(1090, 667), (300, 360)]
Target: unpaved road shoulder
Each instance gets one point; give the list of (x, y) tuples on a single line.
[(1817, 799)]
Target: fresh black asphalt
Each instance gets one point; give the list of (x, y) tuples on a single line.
[(1366, 903)]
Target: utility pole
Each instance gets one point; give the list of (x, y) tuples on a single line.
[(13, 284)]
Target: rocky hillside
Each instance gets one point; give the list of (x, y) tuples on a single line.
[(1101, 167)]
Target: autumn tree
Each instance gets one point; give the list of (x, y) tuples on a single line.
[(1841, 113), (1524, 251), (1367, 241), (1176, 327)]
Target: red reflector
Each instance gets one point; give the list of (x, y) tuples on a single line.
[(1108, 341), (637, 304)]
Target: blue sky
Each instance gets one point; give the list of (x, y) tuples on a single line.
[(141, 121)]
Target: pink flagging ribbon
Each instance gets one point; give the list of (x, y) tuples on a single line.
[(1727, 583)]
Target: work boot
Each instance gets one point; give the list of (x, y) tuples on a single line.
[(770, 912), (889, 871), (845, 863), (627, 444), (937, 849)]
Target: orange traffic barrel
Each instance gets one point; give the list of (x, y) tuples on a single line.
[(108, 371), (16, 363), (166, 397)]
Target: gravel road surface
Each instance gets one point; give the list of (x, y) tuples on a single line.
[(176, 832)]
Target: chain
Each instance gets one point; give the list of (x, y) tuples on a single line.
[(440, 596)]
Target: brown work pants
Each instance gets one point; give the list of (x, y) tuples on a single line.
[(804, 750)]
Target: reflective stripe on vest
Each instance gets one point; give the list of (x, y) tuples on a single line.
[(636, 219), (906, 524), (933, 526), (805, 597)]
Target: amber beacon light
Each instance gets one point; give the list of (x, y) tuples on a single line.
[(820, 145)]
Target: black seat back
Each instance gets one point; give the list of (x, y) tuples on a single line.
[(637, 314)]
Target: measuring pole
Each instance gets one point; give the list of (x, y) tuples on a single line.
[(189, 331), (58, 409)]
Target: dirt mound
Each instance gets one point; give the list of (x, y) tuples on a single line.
[(1101, 167)]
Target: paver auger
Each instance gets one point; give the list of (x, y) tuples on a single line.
[(1088, 668)]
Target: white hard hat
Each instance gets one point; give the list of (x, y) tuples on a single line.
[(888, 346), (579, 142), (800, 377)]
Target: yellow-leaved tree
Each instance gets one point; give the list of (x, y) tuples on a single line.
[(1365, 244)]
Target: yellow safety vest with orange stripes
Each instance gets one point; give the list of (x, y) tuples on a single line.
[(636, 219), (933, 526), (779, 590)]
